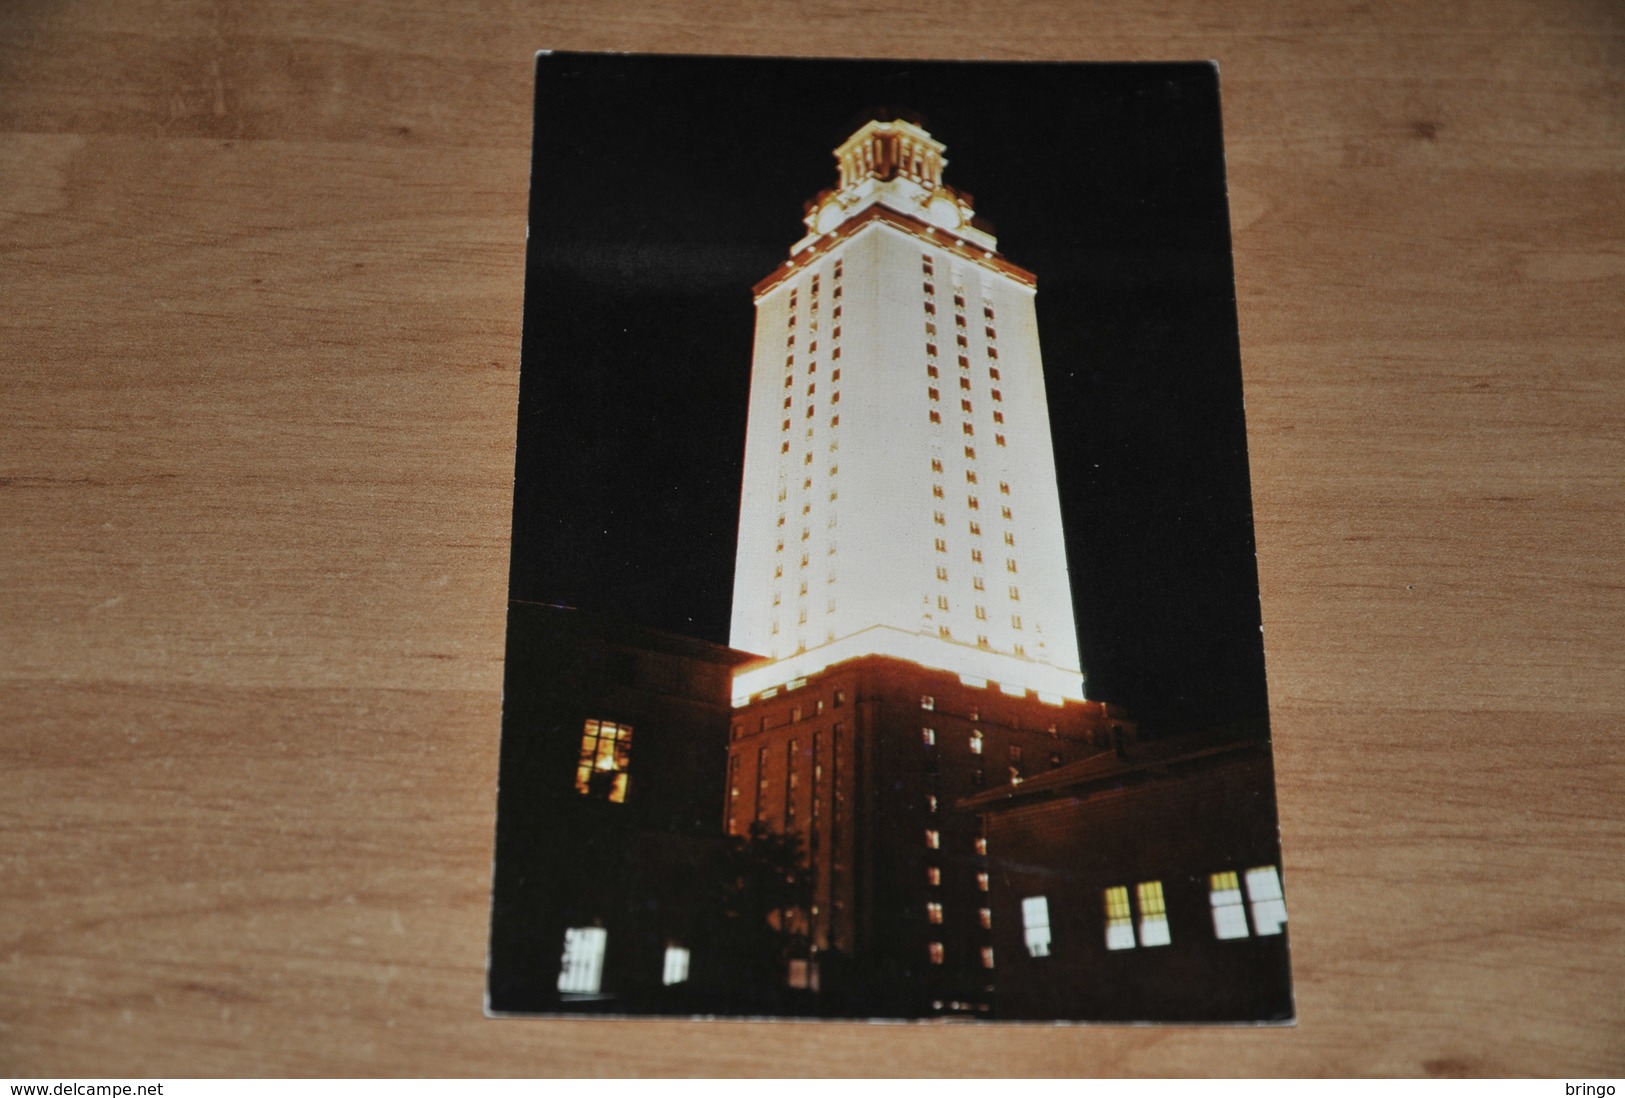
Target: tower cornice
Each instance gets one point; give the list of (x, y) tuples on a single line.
[(931, 234)]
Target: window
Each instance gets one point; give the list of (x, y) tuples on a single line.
[(835, 421), (1153, 914), (931, 371), (933, 839), (836, 376), (1119, 921), (981, 845), (933, 913), (981, 613), (997, 395), (935, 953), (933, 875), (1004, 513), (936, 491), (964, 383), (976, 555), (606, 752), (984, 916), (1015, 621), (998, 440), (987, 956), (928, 736), (976, 582), (1035, 925), (931, 800), (967, 428), (931, 349), (1269, 907), (942, 602), (973, 503), (927, 701), (1010, 564), (933, 394), (676, 966), (981, 881), (970, 453), (964, 406), (976, 741), (976, 529), (942, 573), (936, 465), (936, 416), (1015, 593), (1229, 913), (581, 969), (939, 518), (942, 546), (998, 416)]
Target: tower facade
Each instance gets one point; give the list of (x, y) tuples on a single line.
[(899, 491), (901, 570)]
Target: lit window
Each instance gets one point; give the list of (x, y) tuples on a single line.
[(927, 701), (1035, 925), (976, 742), (581, 969), (1229, 913), (1153, 914), (936, 953), (985, 917), (929, 736), (981, 845), (933, 875), (676, 966), (1269, 907), (931, 801), (1119, 920), (981, 881), (933, 839), (987, 956), (933, 913), (606, 751)]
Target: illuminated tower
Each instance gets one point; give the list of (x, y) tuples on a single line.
[(899, 490), (901, 570)]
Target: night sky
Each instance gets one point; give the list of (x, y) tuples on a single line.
[(664, 188)]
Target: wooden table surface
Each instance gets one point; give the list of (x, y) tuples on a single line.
[(260, 289)]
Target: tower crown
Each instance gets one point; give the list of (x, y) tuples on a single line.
[(898, 165)]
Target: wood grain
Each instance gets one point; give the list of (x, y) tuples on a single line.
[(261, 272)]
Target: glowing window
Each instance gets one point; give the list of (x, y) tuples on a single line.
[(985, 917), (1035, 925), (928, 736), (981, 845), (931, 801), (981, 881), (987, 956), (933, 913), (1229, 912), (935, 953), (1119, 920), (976, 742), (927, 701), (606, 752), (676, 966), (1153, 914), (933, 839), (1269, 907), (581, 969), (933, 875)]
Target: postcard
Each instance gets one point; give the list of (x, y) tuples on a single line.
[(884, 638)]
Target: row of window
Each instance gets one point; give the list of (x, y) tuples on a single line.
[(581, 967), (937, 954), (1144, 923)]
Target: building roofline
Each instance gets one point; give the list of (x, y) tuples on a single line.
[(942, 238), (589, 623)]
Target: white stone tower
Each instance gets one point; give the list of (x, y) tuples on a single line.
[(899, 492)]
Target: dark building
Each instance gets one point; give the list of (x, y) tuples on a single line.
[(1142, 883), (610, 860), (864, 764)]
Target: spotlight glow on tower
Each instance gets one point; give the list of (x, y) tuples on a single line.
[(899, 493)]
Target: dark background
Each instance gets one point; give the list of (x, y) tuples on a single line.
[(664, 188)]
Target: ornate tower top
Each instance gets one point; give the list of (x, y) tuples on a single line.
[(896, 165)]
